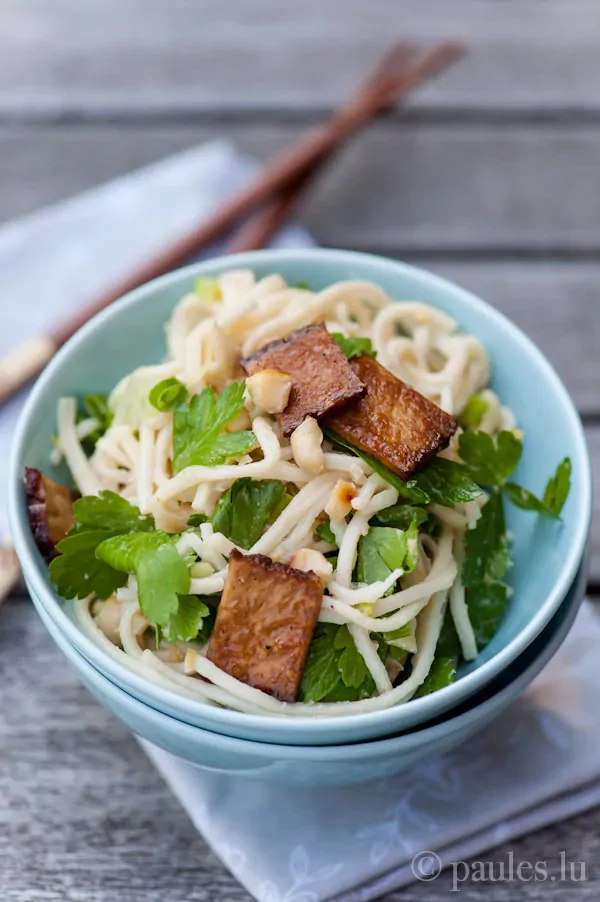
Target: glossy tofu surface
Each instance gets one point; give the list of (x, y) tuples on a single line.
[(50, 511), (265, 622), (392, 421), (322, 377)]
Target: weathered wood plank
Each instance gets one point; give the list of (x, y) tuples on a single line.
[(85, 817), (171, 55), (410, 187), (407, 195), (556, 304)]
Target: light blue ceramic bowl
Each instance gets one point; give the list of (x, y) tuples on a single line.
[(326, 765), (547, 554)]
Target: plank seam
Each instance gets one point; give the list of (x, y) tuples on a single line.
[(40, 114)]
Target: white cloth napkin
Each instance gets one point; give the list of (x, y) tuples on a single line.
[(54, 261), (535, 765), (539, 764)]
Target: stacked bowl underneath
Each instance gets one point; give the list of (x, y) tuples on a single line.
[(325, 764)]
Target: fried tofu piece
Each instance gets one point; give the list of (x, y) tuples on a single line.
[(321, 375), (392, 421), (50, 511), (265, 622)]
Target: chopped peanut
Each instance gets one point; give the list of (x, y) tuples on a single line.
[(340, 502), (269, 390), (175, 655), (322, 378), (242, 421), (201, 569), (306, 446), (308, 559), (109, 620)]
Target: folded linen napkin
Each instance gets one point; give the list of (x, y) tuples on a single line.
[(535, 765), (54, 261), (351, 843)]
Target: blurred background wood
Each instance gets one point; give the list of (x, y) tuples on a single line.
[(489, 178)]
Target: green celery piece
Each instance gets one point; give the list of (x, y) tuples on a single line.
[(473, 413), (207, 289), (129, 402), (403, 632), (168, 394)]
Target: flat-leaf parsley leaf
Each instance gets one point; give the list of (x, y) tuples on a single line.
[(160, 572), (199, 436), (354, 347), (385, 549), (558, 487), (442, 481), (245, 509), (76, 572)]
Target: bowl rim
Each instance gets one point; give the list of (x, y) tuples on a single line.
[(352, 751), (400, 716)]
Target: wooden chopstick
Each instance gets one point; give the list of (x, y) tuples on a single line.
[(263, 226), (259, 229), (10, 570), (399, 71)]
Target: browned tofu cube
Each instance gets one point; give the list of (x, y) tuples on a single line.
[(392, 421), (265, 621), (50, 511), (321, 375)]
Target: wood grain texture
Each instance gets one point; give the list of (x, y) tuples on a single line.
[(406, 187), (489, 180), (86, 818), (556, 304), (167, 57), (405, 197)]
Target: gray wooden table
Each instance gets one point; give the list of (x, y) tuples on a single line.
[(490, 178)]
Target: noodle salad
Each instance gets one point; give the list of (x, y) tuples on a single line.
[(301, 511)]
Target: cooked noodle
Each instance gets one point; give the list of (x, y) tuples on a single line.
[(206, 340)]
